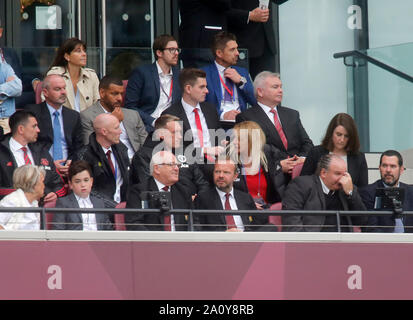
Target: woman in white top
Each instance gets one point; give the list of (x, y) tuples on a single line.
[(82, 84), (28, 181)]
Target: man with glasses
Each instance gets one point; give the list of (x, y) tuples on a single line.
[(164, 169), (153, 88)]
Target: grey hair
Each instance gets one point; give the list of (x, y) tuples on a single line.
[(325, 161), (260, 79), (26, 177), (158, 158), (46, 80)]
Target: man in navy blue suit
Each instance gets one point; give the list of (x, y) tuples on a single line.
[(230, 87), (154, 87), (391, 168)]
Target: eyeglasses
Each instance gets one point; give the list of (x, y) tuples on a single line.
[(179, 165), (173, 50)]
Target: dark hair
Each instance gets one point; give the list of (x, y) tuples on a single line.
[(67, 47), (18, 118), (190, 76), (220, 40), (392, 153), (325, 161), (345, 120), (108, 80), (77, 167), (160, 43), (163, 120)]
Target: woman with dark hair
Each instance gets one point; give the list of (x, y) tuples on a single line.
[(342, 139), (82, 84)]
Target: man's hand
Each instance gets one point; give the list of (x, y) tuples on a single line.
[(346, 183), (288, 164), (230, 115), (232, 74), (259, 15), (50, 197), (11, 78), (62, 167), (233, 230), (118, 113), (259, 206)]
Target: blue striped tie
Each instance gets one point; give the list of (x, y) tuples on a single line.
[(57, 138)]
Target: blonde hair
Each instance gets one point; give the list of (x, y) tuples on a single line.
[(26, 177)]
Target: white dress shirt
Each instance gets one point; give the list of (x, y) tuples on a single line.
[(233, 204), (225, 105), (16, 150), (62, 132), (268, 112), (165, 92), (160, 186), (88, 219), (189, 110), (118, 174)]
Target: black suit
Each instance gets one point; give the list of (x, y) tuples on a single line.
[(71, 127), (67, 221), (210, 200), (104, 182), (368, 194), (306, 193), (298, 141), (356, 165), (180, 197)]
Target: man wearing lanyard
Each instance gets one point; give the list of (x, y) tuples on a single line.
[(153, 88), (230, 87), (108, 157), (10, 87)]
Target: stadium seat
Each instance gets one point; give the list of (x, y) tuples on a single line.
[(276, 220), (120, 218), (49, 216), (39, 92)]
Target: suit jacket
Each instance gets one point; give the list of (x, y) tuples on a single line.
[(134, 126), (143, 91), (53, 181), (71, 127), (298, 141), (195, 15), (214, 96), (73, 221), (210, 200), (180, 197), (254, 36), (104, 182), (356, 165), (306, 193), (368, 195)]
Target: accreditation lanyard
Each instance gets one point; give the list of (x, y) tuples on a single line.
[(170, 90), (230, 92)]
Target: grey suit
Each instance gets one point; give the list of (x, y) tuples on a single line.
[(306, 193), (132, 121), (73, 221)]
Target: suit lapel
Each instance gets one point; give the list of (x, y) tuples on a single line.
[(76, 218), (320, 193), (155, 76), (285, 123), (46, 120), (216, 83), (67, 129), (268, 126), (241, 204)]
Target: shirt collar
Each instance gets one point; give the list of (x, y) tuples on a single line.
[(220, 68), (160, 72), (395, 186), (222, 193), (267, 109), (14, 145), (52, 110), (106, 150), (87, 199), (325, 189), (159, 184), (188, 108)]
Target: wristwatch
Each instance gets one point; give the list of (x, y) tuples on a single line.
[(350, 194), (242, 82)]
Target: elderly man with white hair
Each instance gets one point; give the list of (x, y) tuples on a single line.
[(108, 157), (28, 180), (164, 170)]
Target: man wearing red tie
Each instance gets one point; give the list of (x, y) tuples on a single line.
[(164, 169), (282, 126)]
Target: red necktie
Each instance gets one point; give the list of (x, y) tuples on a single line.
[(199, 127), (229, 218), (279, 129), (110, 161), (26, 156), (167, 218)]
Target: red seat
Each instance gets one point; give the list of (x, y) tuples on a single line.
[(49, 216), (125, 84), (276, 220), (38, 92), (297, 170), (120, 217)]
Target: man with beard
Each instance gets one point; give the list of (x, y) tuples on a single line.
[(59, 126), (391, 168), (133, 130)]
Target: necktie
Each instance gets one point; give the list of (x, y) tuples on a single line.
[(199, 127), (166, 218), (26, 156), (229, 218), (279, 129), (110, 161), (57, 142), (227, 90)]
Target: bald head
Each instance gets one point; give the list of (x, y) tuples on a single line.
[(107, 129)]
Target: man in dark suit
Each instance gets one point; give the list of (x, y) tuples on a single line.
[(81, 182), (164, 170), (200, 21), (199, 118), (282, 126), (18, 148), (254, 29), (223, 196), (229, 87), (53, 117), (133, 129), (153, 88), (391, 168), (108, 157), (330, 189)]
